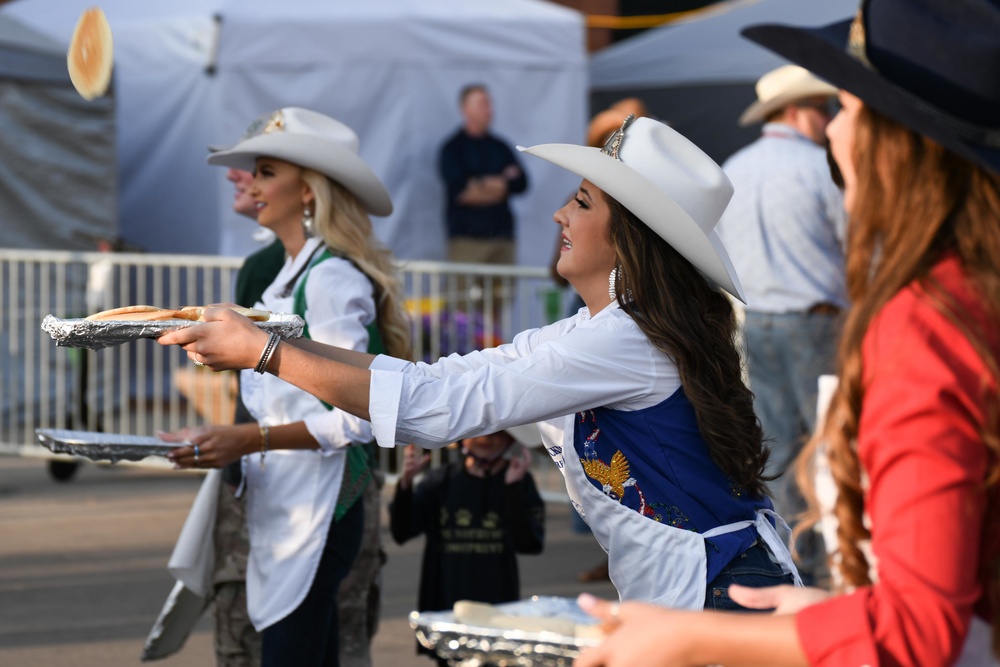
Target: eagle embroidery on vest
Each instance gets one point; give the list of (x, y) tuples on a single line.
[(613, 478)]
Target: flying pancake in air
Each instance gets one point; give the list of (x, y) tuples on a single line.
[(89, 58)]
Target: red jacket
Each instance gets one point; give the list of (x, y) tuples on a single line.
[(919, 443)]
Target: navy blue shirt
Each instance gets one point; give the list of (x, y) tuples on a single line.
[(463, 157)]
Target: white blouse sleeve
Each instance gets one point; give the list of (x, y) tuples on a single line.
[(339, 301), (545, 373), (521, 346)]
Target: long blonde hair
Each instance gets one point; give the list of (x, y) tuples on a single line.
[(916, 202), (344, 226)]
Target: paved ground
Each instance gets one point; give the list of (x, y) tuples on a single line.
[(83, 568)]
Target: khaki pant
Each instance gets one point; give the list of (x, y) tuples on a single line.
[(481, 251), (472, 290)]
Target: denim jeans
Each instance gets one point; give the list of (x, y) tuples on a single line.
[(786, 354), (755, 568), (309, 636)]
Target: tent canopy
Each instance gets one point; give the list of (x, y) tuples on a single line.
[(707, 48), (29, 55), (698, 74), (57, 151), (191, 73)]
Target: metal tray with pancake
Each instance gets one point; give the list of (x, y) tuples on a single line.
[(484, 645), (95, 335), (96, 446)]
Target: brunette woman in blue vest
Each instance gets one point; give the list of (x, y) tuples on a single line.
[(306, 465), (638, 396)]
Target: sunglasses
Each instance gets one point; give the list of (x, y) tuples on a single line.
[(828, 108)]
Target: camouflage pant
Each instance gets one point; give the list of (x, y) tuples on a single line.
[(237, 644)]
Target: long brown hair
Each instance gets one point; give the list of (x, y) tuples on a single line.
[(344, 225), (915, 203), (694, 324)]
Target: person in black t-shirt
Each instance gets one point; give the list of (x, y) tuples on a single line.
[(477, 513)]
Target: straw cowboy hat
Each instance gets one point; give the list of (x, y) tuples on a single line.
[(933, 66), (609, 120), (314, 141), (667, 182), (779, 88)]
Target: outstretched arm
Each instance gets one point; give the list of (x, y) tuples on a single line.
[(339, 354), (645, 635), (227, 341), (338, 383)]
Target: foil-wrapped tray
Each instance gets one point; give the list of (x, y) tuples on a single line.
[(472, 645), (94, 335), (95, 446)]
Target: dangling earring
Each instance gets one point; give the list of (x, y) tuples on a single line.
[(307, 221), (612, 292)]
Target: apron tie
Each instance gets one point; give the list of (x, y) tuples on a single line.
[(767, 533)]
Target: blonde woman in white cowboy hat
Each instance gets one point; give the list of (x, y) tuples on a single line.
[(639, 395), (305, 465), (912, 436)]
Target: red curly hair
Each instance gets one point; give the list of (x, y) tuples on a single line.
[(902, 178)]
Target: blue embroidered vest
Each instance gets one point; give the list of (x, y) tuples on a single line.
[(655, 462)]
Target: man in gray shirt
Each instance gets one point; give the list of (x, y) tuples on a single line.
[(785, 230)]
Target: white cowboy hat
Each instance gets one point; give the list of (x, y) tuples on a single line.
[(527, 435), (312, 140), (667, 182), (779, 88)]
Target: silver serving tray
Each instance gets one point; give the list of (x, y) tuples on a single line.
[(94, 335), (478, 645), (95, 446)]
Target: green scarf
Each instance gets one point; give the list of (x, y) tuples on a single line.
[(360, 457)]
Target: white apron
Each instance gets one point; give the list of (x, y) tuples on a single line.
[(648, 561)]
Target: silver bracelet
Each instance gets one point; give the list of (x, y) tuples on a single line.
[(265, 356)]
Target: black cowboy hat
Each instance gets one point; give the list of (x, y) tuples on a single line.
[(931, 65)]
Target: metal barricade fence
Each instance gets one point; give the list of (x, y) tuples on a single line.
[(141, 388)]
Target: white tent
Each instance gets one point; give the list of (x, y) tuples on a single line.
[(194, 72), (57, 191), (57, 151), (698, 74)]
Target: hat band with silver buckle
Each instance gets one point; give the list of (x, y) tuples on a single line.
[(857, 48), (614, 142)]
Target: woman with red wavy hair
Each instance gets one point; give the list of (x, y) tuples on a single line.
[(912, 435)]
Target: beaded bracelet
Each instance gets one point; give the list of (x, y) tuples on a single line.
[(265, 356), (265, 440)]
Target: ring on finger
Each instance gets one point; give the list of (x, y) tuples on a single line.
[(196, 361), (197, 453)]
